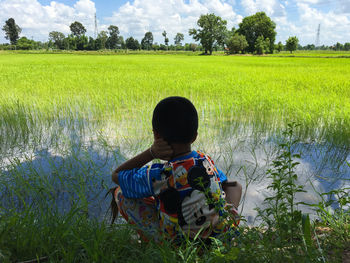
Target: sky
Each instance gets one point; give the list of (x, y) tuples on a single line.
[(299, 18)]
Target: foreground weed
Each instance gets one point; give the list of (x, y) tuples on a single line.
[(285, 234), (281, 213), (332, 230)]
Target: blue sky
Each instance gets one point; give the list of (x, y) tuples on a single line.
[(135, 17)]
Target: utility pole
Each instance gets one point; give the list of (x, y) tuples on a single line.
[(318, 36), (96, 29)]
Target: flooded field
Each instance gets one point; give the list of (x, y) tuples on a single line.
[(66, 121)]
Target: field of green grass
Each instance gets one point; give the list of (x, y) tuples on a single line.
[(67, 120), (314, 53), (120, 91)]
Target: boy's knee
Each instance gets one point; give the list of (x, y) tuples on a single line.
[(239, 187)]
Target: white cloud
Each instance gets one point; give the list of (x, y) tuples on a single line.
[(272, 8), (334, 27), (38, 20), (137, 17)]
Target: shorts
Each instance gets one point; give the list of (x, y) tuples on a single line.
[(139, 212), (144, 215)]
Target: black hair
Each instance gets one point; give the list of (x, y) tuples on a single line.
[(176, 120)]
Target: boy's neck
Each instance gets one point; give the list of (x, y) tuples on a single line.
[(181, 149)]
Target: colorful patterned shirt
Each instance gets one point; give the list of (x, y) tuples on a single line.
[(187, 190)]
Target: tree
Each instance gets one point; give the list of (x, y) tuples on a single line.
[(155, 46), (310, 47), (262, 45), (255, 26), (121, 42), (347, 46), (147, 41), (101, 40), (92, 44), (12, 31), (166, 40), (70, 43), (82, 42), (212, 31), (292, 44), (77, 29), (25, 43), (132, 43), (339, 46), (236, 43), (113, 39), (57, 38), (178, 38), (279, 47)]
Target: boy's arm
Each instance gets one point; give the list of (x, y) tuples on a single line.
[(160, 149), (233, 191)]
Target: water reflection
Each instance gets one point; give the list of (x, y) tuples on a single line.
[(80, 175)]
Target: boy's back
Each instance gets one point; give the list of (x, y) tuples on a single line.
[(183, 195)]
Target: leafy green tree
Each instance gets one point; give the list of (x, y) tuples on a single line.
[(57, 38), (91, 44), (147, 41), (279, 47), (82, 42), (178, 38), (155, 46), (339, 46), (212, 31), (129, 43), (25, 43), (262, 45), (12, 31), (121, 42), (237, 43), (114, 40), (310, 47), (166, 40), (132, 43), (70, 43), (255, 26), (77, 29), (230, 34), (292, 44), (101, 40), (347, 46)]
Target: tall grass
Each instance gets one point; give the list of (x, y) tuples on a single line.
[(262, 94)]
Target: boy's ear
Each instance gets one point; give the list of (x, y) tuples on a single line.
[(194, 138), (156, 135)]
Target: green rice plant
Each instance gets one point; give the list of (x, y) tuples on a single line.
[(252, 94)]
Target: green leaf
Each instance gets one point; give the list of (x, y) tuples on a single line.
[(306, 229), (232, 254)]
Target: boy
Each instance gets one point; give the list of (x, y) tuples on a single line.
[(187, 195)]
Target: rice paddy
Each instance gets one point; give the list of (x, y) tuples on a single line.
[(67, 120)]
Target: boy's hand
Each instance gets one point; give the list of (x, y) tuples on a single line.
[(161, 149)]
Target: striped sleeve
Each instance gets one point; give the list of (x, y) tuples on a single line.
[(137, 183)]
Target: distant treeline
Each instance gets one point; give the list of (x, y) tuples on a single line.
[(256, 34)]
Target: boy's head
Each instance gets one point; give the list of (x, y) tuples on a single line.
[(175, 119)]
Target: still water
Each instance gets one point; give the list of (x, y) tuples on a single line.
[(78, 175)]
